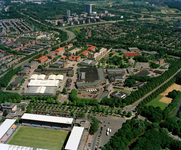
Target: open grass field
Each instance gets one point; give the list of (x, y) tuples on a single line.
[(39, 138), (126, 91), (156, 102)]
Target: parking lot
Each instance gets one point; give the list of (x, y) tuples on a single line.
[(85, 94), (113, 123)]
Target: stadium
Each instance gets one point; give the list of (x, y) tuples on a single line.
[(42, 132)]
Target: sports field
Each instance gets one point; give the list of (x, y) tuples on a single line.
[(156, 102), (39, 138)]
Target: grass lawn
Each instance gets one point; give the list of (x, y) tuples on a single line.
[(126, 91), (155, 102), (39, 138)]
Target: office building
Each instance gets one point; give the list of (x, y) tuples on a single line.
[(68, 13), (88, 8)]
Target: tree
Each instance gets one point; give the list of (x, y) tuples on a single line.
[(129, 114), (64, 90), (124, 113), (56, 101), (52, 100), (65, 102)]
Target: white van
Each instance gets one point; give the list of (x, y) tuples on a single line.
[(107, 133), (107, 129), (110, 130)]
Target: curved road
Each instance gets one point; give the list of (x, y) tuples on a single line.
[(70, 34)]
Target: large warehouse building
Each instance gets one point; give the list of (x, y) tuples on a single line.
[(6, 129), (46, 121), (74, 138)]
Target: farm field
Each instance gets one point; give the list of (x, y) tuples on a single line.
[(39, 138), (156, 102)]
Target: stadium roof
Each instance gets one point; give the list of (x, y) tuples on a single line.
[(5, 126), (74, 138), (17, 147), (45, 118)]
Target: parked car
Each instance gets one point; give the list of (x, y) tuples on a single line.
[(107, 133), (110, 130), (107, 129)]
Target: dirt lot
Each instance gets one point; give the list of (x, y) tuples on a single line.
[(86, 94), (171, 88), (166, 100)]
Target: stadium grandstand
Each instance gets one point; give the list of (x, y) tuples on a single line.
[(74, 138), (6, 129), (47, 121), (16, 147)]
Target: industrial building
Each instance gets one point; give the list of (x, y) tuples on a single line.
[(143, 73), (88, 63), (17, 81), (45, 83), (74, 138), (93, 78), (48, 70), (46, 121), (160, 61), (6, 129), (37, 90), (24, 71)]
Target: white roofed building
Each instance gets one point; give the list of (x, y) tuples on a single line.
[(41, 77), (6, 129), (52, 77), (47, 121), (53, 83), (74, 138), (59, 77), (34, 77)]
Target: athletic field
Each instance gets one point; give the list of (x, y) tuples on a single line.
[(39, 138)]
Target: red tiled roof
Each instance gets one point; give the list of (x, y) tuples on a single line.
[(131, 54), (64, 57), (72, 57), (59, 49), (84, 52), (41, 58)]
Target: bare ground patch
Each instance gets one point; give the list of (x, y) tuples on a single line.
[(166, 100), (171, 88)]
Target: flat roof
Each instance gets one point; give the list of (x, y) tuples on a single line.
[(74, 138), (17, 147), (45, 118), (5, 126)]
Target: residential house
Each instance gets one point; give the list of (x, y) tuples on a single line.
[(160, 61), (92, 49), (42, 59), (60, 51), (51, 55), (69, 46), (85, 53), (74, 58)]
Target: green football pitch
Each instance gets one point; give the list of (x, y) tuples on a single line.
[(39, 138)]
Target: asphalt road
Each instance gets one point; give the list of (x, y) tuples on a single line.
[(70, 34), (134, 105)]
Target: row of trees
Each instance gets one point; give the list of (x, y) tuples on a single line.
[(156, 93), (9, 97), (8, 76), (154, 137), (156, 114), (82, 101), (152, 84)]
